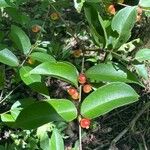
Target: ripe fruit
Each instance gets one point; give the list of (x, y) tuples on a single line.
[(71, 91), (36, 28), (77, 53), (82, 78), (87, 88), (111, 9), (54, 16), (85, 123), (75, 96), (139, 11), (31, 61)]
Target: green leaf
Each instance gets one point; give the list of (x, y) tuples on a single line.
[(96, 25), (20, 38), (62, 70), (65, 108), (110, 73), (57, 142), (144, 3), (123, 22), (141, 70), (8, 58), (3, 4), (42, 57), (107, 98), (31, 78), (143, 54), (40, 113), (36, 115), (78, 4)]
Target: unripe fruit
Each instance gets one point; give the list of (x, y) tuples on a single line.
[(82, 78), (85, 123), (111, 9), (87, 88), (77, 53), (71, 91), (139, 11), (54, 16), (120, 1), (75, 96), (31, 61), (36, 28)]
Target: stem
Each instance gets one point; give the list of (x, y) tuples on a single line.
[(80, 98)]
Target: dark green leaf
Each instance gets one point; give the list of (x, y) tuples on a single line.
[(61, 70), (8, 58), (107, 98), (20, 38)]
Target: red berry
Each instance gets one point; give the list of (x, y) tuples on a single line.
[(71, 91), (75, 96), (87, 88), (85, 123), (82, 78), (36, 28)]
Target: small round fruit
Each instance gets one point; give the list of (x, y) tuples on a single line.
[(111, 9), (54, 16), (85, 123), (31, 61), (77, 53), (75, 96), (139, 11), (71, 91), (87, 88), (82, 78), (36, 28)]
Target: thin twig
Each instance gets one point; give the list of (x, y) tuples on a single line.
[(131, 125)]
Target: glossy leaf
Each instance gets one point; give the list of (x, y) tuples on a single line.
[(96, 25), (8, 58), (20, 38), (143, 54), (144, 3), (3, 4), (123, 23), (36, 115), (31, 78), (42, 57), (43, 112), (57, 142), (111, 73), (107, 98), (61, 70)]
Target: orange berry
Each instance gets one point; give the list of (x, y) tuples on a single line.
[(85, 123), (75, 96), (31, 61), (36, 28), (77, 53), (139, 11), (54, 16), (87, 88), (111, 9), (71, 91), (82, 78)]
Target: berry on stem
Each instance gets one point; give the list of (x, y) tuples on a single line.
[(77, 53), (75, 96), (82, 78), (87, 88), (85, 123), (36, 28), (71, 91), (111, 9), (54, 16)]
